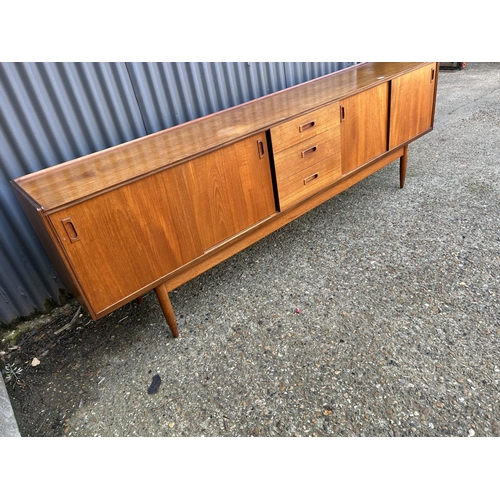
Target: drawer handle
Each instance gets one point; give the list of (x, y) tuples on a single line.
[(70, 229), (309, 151), (260, 147), (311, 178), (307, 126)]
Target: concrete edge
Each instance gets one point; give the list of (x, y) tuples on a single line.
[(8, 423)]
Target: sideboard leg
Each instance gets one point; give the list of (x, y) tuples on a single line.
[(166, 307), (403, 161)]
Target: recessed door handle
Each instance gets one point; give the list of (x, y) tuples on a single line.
[(70, 229), (260, 147)]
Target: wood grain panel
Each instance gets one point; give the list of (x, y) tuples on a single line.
[(364, 122), (121, 241), (231, 189), (412, 104)]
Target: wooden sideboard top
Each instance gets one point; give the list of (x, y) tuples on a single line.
[(89, 175)]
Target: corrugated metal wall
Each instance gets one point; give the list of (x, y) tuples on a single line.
[(173, 93), (54, 112), (51, 113)]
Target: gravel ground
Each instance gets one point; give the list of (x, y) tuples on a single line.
[(376, 314)]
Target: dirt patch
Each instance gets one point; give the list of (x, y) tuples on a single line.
[(44, 361)]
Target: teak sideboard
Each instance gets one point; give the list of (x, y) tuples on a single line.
[(157, 211)]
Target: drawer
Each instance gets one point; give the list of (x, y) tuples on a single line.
[(304, 127), (307, 153), (308, 181)]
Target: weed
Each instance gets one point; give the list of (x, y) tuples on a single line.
[(12, 374)]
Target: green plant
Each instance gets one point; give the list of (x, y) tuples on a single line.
[(12, 373)]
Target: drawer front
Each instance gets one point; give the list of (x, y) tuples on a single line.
[(307, 153), (304, 127), (308, 181)]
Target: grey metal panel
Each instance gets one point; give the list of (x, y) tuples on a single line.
[(50, 113), (300, 72), (27, 280), (54, 112), (175, 92)]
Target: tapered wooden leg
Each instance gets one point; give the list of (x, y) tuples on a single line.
[(166, 307), (403, 161)]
